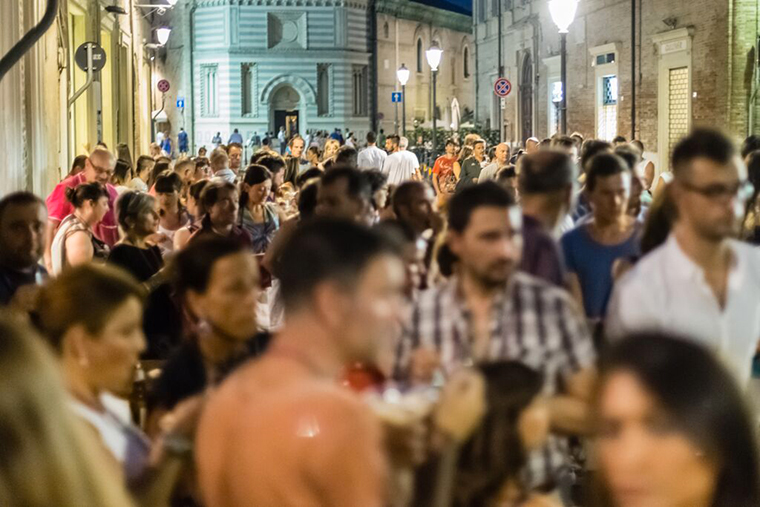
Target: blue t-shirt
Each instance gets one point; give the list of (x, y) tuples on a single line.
[(592, 262)]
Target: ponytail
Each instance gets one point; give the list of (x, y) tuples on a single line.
[(85, 192)]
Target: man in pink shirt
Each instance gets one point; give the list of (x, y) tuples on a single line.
[(98, 167), (282, 431)]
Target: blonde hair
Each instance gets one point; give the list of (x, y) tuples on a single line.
[(330, 143), (48, 456)]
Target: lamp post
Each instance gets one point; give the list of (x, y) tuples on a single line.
[(163, 34), (403, 77), (434, 55), (563, 14)]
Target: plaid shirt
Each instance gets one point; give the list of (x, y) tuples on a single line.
[(532, 322)]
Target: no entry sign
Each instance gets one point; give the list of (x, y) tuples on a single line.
[(502, 87)]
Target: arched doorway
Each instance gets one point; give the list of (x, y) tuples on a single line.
[(526, 97), (285, 110)]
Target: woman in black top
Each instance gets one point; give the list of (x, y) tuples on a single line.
[(162, 321), (136, 213), (218, 282)]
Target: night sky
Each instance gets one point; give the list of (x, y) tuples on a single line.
[(464, 4), (461, 6)]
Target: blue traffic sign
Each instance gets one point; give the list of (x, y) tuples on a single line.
[(396, 97), (180, 103)]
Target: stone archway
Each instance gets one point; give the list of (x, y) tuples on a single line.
[(285, 109), (287, 98)]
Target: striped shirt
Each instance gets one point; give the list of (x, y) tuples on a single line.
[(532, 322)]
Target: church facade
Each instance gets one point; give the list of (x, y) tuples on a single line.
[(258, 65)]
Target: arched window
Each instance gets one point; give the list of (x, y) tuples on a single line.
[(466, 62), (420, 56), (386, 31)]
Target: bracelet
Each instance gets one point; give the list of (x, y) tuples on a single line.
[(178, 445)]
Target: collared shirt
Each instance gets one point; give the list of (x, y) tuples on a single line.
[(59, 208), (667, 292), (371, 157), (226, 174), (531, 322), (400, 167)]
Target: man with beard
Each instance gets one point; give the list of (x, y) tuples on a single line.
[(488, 311), (281, 431), (701, 283), (23, 222)]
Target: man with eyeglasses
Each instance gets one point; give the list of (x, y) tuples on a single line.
[(98, 168), (702, 283)]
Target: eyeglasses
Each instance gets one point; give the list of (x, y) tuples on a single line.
[(741, 190)]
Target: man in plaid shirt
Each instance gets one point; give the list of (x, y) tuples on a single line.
[(488, 311)]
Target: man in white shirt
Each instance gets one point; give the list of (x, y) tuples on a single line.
[(401, 165), (371, 157), (219, 162), (501, 160), (701, 284)]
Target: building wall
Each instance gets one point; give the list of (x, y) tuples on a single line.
[(721, 38), (39, 140), (232, 35), (400, 47)]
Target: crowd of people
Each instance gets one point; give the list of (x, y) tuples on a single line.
[(558, 323)]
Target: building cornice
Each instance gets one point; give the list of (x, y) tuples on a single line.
[(412, 11), (356, 4)]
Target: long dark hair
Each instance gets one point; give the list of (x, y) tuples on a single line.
[(254, 175), (495, 452), (704, 403)]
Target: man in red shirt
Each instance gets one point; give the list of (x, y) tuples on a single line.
[(444, 179), (98, 168)]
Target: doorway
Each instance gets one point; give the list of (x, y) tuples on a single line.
[(287, 119)]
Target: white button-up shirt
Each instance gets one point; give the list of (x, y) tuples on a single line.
[(667, 292), (400, 167), (371, 157)]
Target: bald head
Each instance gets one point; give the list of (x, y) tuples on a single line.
[(531, 145), (99, 166), (501, 153)]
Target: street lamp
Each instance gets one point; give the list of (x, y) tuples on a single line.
[(563, 14), (163, 34), (433, 56), (403, 77)]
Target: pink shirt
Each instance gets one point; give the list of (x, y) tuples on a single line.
[(59, 208)]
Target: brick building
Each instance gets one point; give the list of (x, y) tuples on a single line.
[(696, 64)]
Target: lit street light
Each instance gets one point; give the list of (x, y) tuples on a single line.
[(403, 77), (563, 14), (163, 34), (434, 55)]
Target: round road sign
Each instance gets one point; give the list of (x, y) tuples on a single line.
[(163, 86), (98, 57), (502, 87)]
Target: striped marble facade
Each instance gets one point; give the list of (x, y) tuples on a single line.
[(280, 44)]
